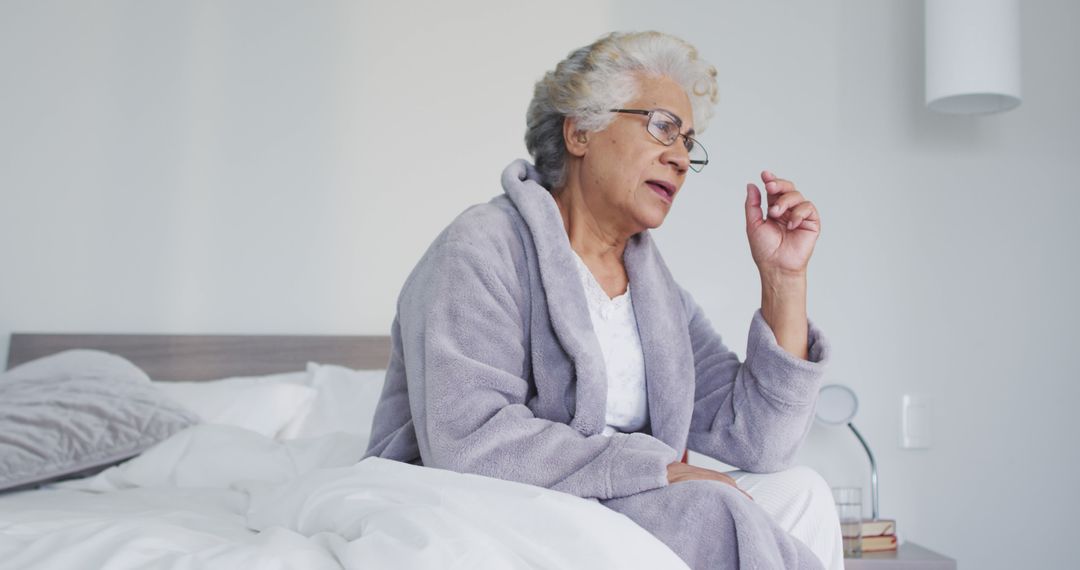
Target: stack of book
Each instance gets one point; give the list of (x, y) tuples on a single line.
[(878, 535)]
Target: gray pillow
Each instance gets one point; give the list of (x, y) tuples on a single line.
[(77, 412)]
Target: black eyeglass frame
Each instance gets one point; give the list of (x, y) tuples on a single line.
[(699, 164)]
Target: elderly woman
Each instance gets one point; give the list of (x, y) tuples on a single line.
[(542, 339)]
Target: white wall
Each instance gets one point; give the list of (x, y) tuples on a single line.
[(249, 166), (279, 167)]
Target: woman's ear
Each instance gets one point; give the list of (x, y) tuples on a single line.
[(577, 141)]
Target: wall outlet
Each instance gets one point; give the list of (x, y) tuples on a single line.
[(916, 422)]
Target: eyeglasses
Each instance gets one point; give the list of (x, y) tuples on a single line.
[(666, 128)]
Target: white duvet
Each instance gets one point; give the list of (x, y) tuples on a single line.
[(224, 497)]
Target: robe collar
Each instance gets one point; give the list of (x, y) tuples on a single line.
[(657, 301)]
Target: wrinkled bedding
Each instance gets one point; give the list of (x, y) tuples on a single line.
[(225, 497)]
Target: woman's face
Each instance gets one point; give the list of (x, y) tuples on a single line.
[(627, 176)]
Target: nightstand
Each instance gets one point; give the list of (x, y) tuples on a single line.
[(908, 556)]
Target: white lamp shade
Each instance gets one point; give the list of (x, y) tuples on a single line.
[(836, 404), (972, 55)]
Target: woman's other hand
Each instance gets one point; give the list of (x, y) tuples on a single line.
[(678, 471), (783, 242)]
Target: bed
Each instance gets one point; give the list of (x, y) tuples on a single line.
[(190, 451)]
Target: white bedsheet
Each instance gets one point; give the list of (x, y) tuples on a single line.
[(224, 497)]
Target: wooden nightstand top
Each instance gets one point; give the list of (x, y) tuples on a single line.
[(908, 556)]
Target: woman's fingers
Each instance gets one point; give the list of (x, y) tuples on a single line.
[(767, 177), (727, 479), (678, 472), (778, 190), (783, 202), (787, 205), (774, 185), (804, 214), (753, 207)]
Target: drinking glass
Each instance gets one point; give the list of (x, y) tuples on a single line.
[(849, 507)]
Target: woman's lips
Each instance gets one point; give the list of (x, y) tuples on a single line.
[(663, 189)]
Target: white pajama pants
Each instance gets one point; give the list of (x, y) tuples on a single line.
[(800, 501)]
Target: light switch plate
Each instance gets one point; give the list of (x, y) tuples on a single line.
[(916, 421)]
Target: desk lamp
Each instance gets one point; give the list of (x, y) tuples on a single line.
[(837, 405)]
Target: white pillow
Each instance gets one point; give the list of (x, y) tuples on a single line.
[(263, 404), (345, 402)]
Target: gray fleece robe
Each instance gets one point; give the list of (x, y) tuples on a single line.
[(495, 370)]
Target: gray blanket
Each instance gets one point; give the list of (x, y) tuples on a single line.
[(495, 370)]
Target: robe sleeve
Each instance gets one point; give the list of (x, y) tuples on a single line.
[(753, 415), (464, 333)]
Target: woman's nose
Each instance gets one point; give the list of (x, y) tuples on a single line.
[(676, 155)]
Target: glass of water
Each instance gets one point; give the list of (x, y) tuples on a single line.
[(849, 507)]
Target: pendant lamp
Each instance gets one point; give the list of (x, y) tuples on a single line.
[(972, 55)]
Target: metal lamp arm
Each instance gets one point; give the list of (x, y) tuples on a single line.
[(873, 468)]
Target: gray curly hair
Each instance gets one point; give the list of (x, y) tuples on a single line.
[(602, 76)]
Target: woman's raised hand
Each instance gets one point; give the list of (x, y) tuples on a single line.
[(679, 471), (782, 242)]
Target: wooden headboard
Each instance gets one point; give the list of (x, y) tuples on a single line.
[(208, 357)]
